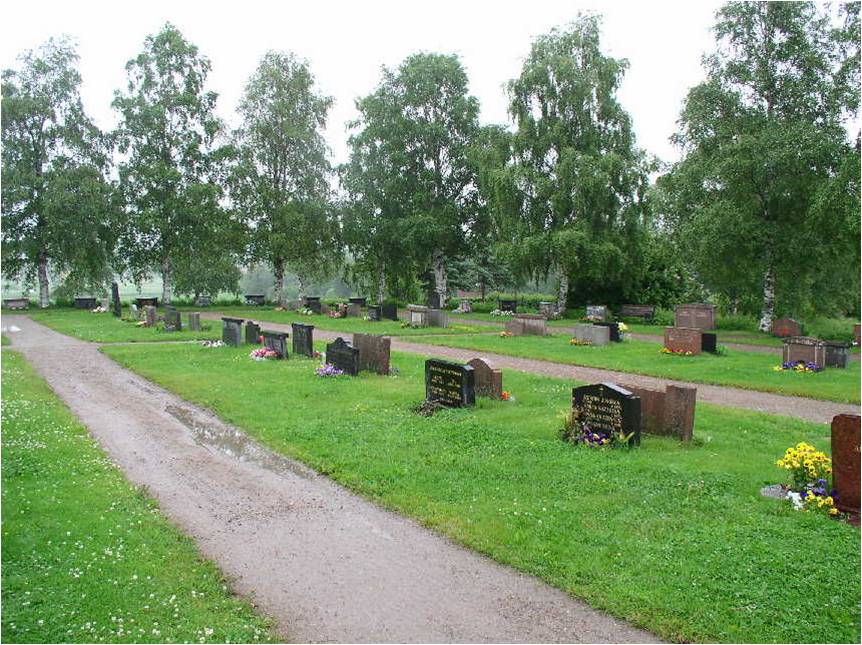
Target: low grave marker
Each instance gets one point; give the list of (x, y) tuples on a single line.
[(845, 461), (647, 312), (548, 309), (303, 339), (256, 299), (695, 316), (361, 301), (194, 321), (837, 354), (437, 318), (527, 325), (389, 311), (275, 341), (231, 331), (449, 384), (683, 339), (709, 342), (203, 301), (804, 348), (613, 330), (147, 301), (374, 313), (252, 333), (373, 352), (343, 356), (417, 315), (669, 413), (313, 303), (85, 303), (508, 305), (595, 334), (16, 303), (150, 315), (354, 310), (487, 379), (173, 321), (609, 408)]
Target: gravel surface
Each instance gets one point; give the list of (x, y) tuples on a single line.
[(326, 564), (789, 406)]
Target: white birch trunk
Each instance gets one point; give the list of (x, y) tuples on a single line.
[(381, 285), (44, 292), (563, 293), (441, 277), (768, 312), (301, 281), (167, 282)]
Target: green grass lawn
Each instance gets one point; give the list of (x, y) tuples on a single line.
[(86, 556), (384, 327), (675, 538), (4, 340), (105, 328), (737, 368)]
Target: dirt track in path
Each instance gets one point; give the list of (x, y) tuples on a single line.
[(734, 397), (326, 564)]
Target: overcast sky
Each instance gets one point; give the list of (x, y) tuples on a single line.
[(347, 42)]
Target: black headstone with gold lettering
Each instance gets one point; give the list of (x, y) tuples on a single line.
[(449, 384), (606, 407)]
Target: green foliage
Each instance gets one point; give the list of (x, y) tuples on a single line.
[(280, 180), (58, 209), (172, 174)]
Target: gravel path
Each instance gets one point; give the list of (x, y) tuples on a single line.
[(326, 564), (790, 406)]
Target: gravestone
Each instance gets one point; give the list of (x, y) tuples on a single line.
[(203, 301), (133, 312), (613, 329), (669, 413), (116, 305), (508, 305), (417, 315), (358, 301), (786, 327), (389, 311), (85, 303), (683, 339), (434, 300), (449, 384), (16, 303), (312, 302), (804, 348), (252, 333), (437, 318), (374, 313), (837, 354), (695, 316), (527, 324), (609, 408), (548, 309), (709, 342), (194, 321), (354, 310), (303, 339), (173, 321), (105, 304), (373, 352), (150, 315), (597, 313), (343, 356), (595, 334), (465, 306), (647, 312), (231, 331), (487, 380), (256, 299), (150, 301), (845, 461), (856, 332), (276, 341)]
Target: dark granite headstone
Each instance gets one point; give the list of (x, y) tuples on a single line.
[(85, 303), (358, 301), (508, 305), (837, 354), (449, 384), (150, 301), (312, 302), (373, 352), (257, 299), (434, 300), (150, 314), (173, 321), (116, 305), (354, 310), (709, 342), (276, 341), (203, 301), (389, 312), (252, 333), (613, 330), (374, 313), (487, 379), (343, 356), (303, 339), (845, 461), (606, 407), (231, 331), (194, 321)]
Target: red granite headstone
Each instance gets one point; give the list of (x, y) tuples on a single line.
[(786, 327), (488, 380), (695, 316), (683, 339), (845, 462), (856, 332), (669, 413), (804, 348)]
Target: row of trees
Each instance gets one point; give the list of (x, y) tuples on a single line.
[(762, 208)]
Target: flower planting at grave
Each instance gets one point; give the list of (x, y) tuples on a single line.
[(675, 352), (305, 311), (809, 471), (211, 344), (506, 396), (800, 367), (328, 370), (500, 312), (336, 313), (578, 432), (581, 342), (263, 353), (506, 334), (624, 330)]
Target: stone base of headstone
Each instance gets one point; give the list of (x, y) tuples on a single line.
[(683, 339), (845, 462), (669, 413), (614, 329), (373, 352), (804, 348), (194, 321), (487, 379), (595, 334)]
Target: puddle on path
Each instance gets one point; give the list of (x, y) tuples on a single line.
[(236, 444)]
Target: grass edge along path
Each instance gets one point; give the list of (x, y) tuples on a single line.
[(674, 538), (88, 557)]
